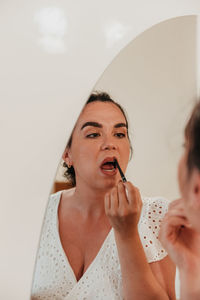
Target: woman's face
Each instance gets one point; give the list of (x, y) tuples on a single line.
[(187, 185), (100, 136)]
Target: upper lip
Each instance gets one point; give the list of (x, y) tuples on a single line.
[(108, 159)]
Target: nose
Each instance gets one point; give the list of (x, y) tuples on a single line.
[(108, 144)]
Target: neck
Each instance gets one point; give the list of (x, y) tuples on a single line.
[(89, 200)]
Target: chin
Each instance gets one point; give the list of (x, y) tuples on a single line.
[(109, 184), (105, 185)]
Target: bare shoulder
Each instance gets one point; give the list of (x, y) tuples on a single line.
[(66, 197), (67, 194)]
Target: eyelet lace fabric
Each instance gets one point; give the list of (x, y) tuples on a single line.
[(54, 278)]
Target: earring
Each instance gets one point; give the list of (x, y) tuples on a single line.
[(69, 166)]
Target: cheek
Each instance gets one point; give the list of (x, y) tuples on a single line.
[(126, 153), (179, 173), (182, 177), (84, 154)]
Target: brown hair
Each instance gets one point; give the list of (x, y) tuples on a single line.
[(192, 135), (96, 96)]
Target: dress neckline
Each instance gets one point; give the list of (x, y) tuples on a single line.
[(94, 261)]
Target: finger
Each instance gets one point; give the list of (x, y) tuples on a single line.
[(122, 196), (176, 203), (107, 203), (172, 223), (175, 219), (176, 212), (171, 228), (134, 197), (114, 201)]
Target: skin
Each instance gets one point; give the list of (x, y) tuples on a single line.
[(180, 230), (101, 142), (189, 186), (100, 202)]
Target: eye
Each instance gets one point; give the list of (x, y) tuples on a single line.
[(93, 135), (120, 135)]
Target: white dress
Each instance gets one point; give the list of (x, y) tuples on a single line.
[(53, 276)]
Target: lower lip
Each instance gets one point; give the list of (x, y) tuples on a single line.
[(109, 172)]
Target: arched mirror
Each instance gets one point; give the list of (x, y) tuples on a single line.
[(155, 79)]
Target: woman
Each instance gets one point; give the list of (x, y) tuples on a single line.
[(180, 231), (97, 241)]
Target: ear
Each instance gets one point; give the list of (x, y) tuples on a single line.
[(195, 180), (67, 157)]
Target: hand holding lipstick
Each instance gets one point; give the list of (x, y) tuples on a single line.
[(123, 209)]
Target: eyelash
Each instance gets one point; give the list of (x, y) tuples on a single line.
[(92, 135), (120, 135)]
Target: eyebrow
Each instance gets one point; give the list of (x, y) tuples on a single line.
[(118, 125), (98, 125)]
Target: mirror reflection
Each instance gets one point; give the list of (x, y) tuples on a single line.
[(100, 234), (106, 234)]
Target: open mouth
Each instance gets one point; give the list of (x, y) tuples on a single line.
[(109, 165)]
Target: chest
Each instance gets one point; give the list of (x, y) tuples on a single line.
[(81, 243)]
